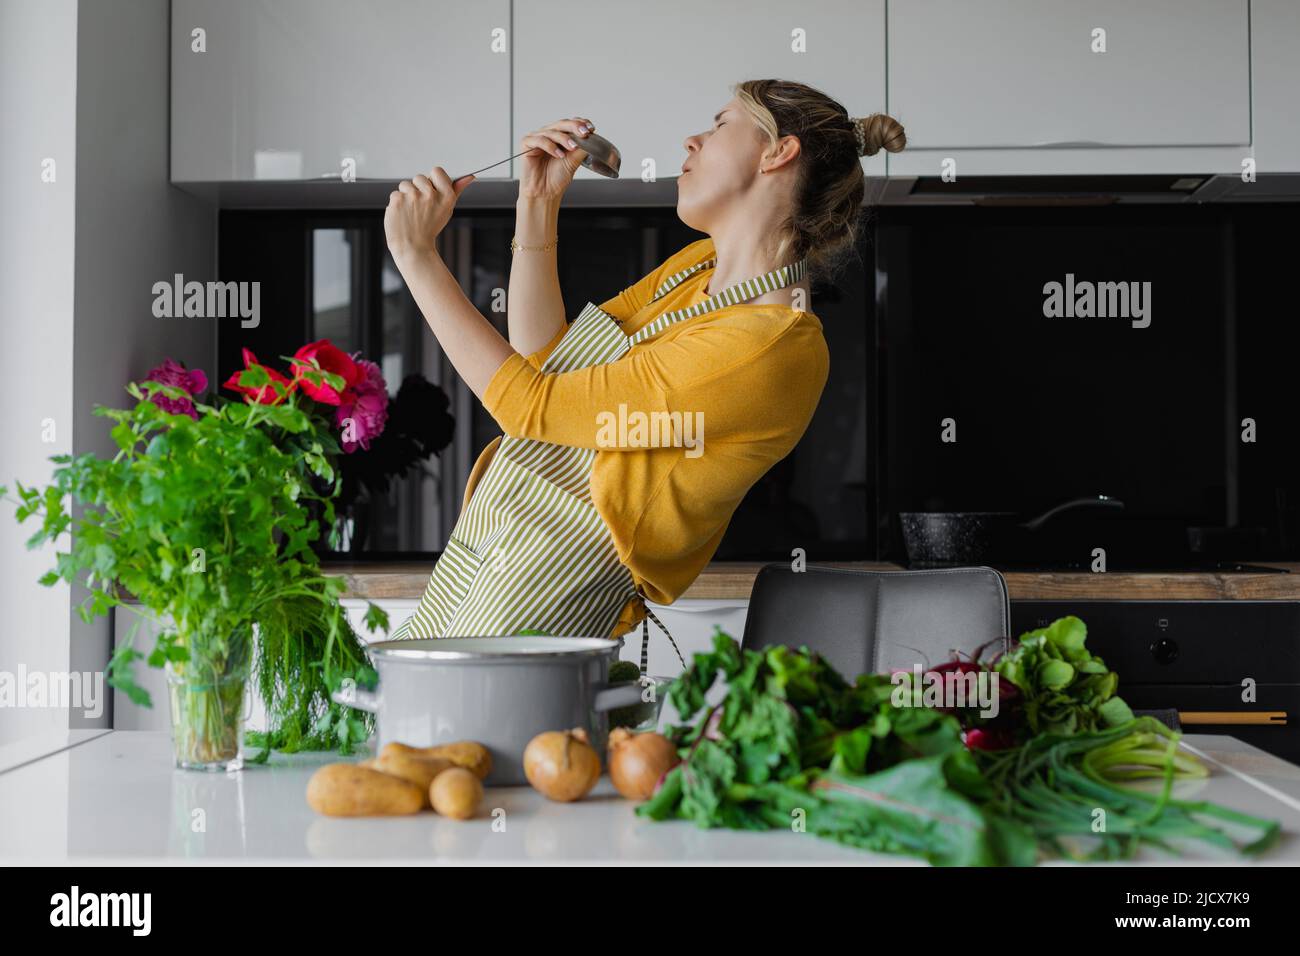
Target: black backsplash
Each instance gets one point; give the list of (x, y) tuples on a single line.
[(1049, 409), (939, 317)]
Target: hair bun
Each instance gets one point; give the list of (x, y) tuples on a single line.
[(876, 131)]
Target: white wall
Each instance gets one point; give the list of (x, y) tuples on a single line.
[(87, 83)]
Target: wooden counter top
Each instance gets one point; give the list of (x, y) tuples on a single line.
[(733, 580)]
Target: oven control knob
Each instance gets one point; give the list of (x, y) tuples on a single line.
[(1165, 650)]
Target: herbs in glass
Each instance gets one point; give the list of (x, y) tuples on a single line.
[(199, 518)]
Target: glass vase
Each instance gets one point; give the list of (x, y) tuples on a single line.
[(209, 709)]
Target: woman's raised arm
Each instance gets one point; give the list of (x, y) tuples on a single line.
[(418, 210), (534, 305)]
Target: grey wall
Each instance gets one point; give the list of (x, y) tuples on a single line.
[(38, 73), (133, 229), (87, 83)]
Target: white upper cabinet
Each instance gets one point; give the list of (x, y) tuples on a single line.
[(1275, 63), (648, 76), (294, 89), (1065, 76)]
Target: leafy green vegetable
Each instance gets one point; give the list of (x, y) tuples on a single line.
[(633, 715), (1065, 788), (623, 671), (792, 745), (1064, 688)]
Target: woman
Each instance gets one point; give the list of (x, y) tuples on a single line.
[(632, 434)]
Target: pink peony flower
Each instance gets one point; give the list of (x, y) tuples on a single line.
[(366, 404), (173, 373)]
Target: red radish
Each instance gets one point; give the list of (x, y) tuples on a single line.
[(986, 738)]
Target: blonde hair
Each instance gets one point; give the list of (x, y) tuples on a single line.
[(830, 188)]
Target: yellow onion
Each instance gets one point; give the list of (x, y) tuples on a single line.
[(561, 765), (637, 762)]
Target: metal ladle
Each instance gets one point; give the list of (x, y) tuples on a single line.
[(602, 157)]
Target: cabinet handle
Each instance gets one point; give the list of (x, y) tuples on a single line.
[(1071, 144), (1266, 718)]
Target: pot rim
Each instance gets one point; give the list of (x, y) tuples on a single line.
[(511, 649)]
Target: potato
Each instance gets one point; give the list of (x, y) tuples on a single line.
[(472, 756), (418, 770), (347, 790), (456, 793)]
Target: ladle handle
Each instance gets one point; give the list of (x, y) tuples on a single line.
[(603, 160), (506, 160)]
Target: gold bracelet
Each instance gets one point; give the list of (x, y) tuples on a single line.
[(515, 246)]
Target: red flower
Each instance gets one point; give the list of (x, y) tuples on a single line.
[(328, 358), (265, 394)]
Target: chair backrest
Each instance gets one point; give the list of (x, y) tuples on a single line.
[(879, 621)]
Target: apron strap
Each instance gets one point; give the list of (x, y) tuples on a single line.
[(645, 638), (732, 295)]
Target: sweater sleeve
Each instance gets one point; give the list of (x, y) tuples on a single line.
[(734, 384), (539, 357)]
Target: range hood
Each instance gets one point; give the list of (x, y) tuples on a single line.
[(1096, 190)]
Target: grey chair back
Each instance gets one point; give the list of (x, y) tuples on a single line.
[(879, 621)]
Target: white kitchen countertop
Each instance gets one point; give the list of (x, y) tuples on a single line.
[(117, 797)]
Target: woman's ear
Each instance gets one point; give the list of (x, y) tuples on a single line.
[(787, 150)]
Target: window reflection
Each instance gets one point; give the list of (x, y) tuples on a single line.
[(333, 315)]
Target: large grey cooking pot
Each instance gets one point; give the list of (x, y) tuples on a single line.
[(498, 691)]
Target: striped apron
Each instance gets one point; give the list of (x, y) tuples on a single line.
[(530, 551)]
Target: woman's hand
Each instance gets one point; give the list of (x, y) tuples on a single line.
[(547, 169), (419, 209)]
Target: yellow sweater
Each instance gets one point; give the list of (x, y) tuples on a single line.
[(750, 374)]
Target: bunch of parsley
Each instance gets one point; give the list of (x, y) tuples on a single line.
[(200, 524)]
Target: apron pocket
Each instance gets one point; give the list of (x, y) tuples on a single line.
[(452, 576), (549, 563)]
